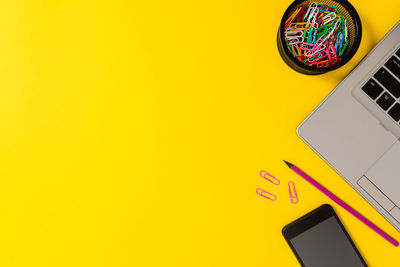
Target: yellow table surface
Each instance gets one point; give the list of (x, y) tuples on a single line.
[(132, 134)]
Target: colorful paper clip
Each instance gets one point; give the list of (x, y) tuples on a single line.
[(317, 34), (261, 192), (292, 193), (271, 178)]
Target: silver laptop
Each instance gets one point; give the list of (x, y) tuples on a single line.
[(356, 129)]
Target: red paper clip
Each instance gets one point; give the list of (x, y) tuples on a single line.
[(271, 178), (292, 193), (261, 192)]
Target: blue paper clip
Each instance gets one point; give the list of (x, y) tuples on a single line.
[(339, 43), (312, 36)]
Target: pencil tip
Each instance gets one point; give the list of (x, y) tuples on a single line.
[(290, 165)]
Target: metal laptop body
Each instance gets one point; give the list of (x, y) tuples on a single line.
[(355, 129)]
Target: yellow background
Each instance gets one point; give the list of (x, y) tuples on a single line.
[(132, 134)]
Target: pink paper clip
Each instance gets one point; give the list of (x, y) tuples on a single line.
[(265, 194), (292, 193), (271, 178)]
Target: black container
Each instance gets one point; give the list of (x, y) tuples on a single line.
[(354, 34)]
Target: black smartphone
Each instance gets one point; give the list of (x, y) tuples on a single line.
[(318, 239)]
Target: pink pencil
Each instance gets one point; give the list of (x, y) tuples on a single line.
[(343, 204)]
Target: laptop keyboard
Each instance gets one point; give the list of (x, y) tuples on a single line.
[(384, 87)]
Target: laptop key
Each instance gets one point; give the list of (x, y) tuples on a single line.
[(394, 112), (385, 101), (398, 53), (393, 65), (387, 80), (372, 89)]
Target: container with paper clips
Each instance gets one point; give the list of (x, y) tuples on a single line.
[(315, 37)]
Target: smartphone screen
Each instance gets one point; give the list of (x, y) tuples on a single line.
[(319, 239)]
